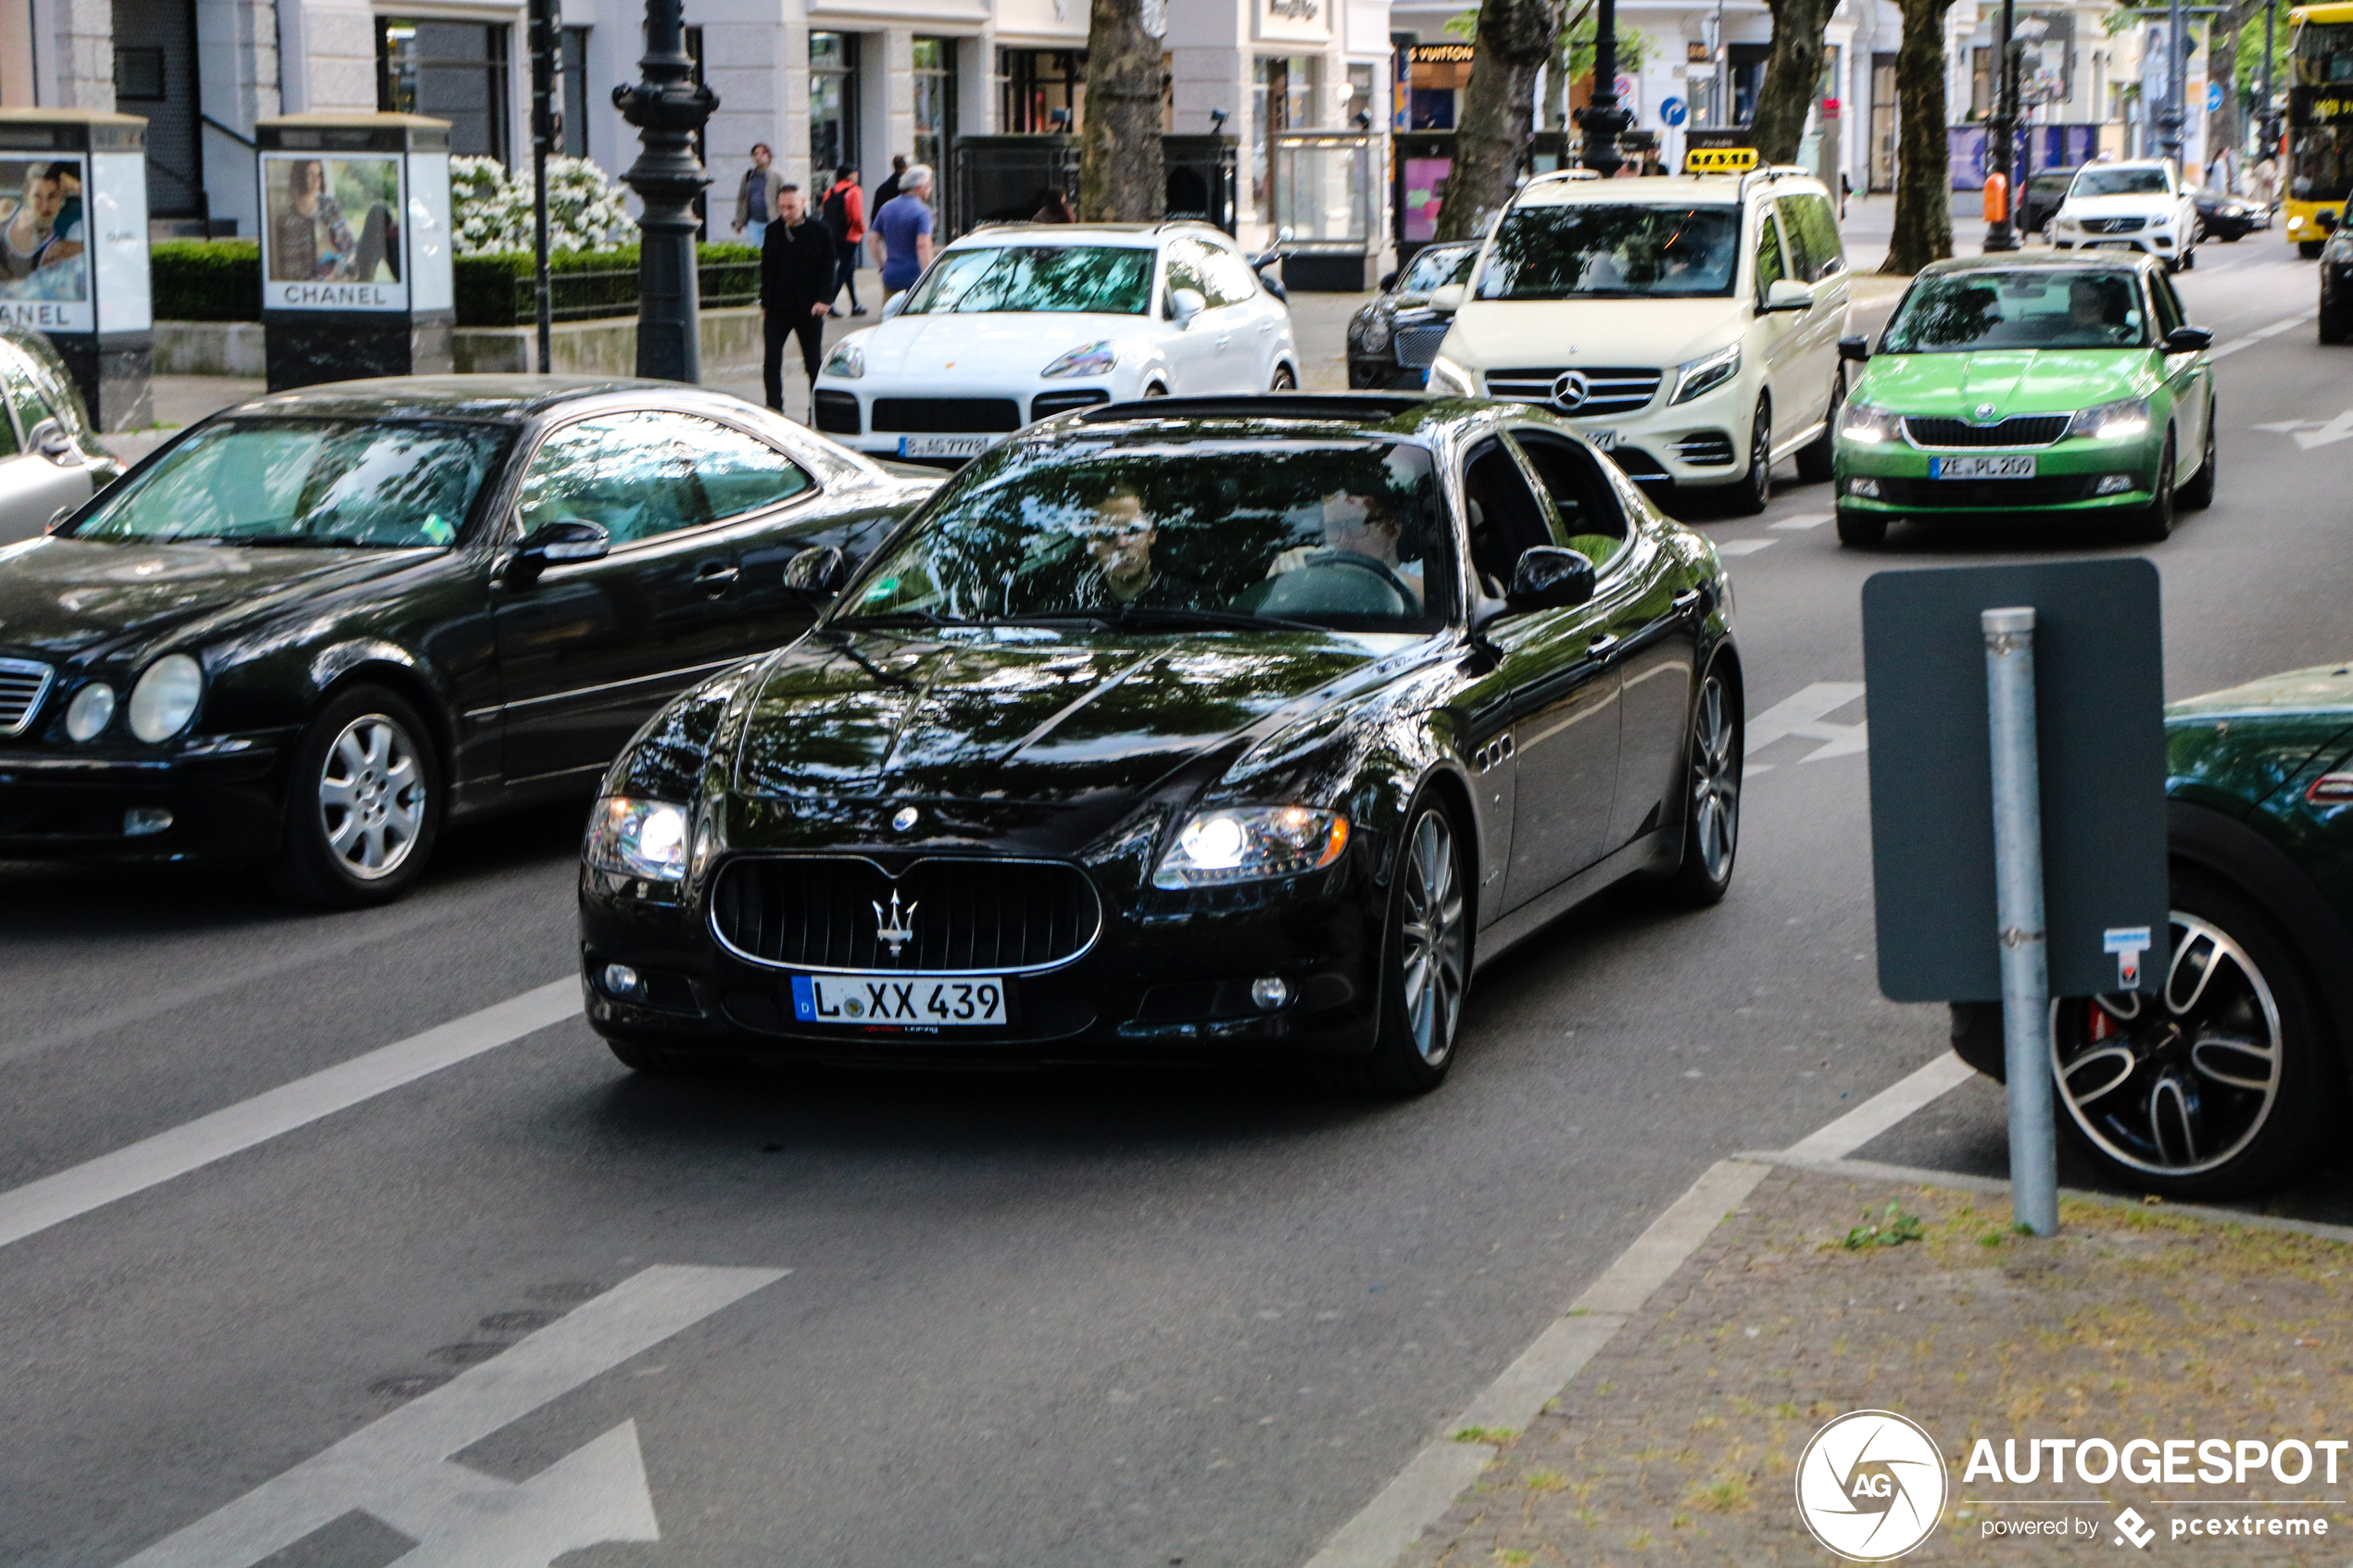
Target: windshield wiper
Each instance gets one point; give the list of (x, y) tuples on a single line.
[(1134, 613), (900, 617)]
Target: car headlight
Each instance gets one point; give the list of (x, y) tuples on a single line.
[(639, 838), (848, 361), (88, 713), (2120, 421), (1251, 844), (2069, 224), (1087, 359), (1373, 338), (1706, 373), (1447, 376), (165, 698), (1861, 423)]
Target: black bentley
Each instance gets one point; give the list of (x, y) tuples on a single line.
[(1247, 723), (314, 629)]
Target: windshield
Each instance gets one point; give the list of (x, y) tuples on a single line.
[(1105, 280), (1588, 249), (2323, 55), (2119, 182), (1436, 267), (307, 483), (1347, 534), (2044, 309)]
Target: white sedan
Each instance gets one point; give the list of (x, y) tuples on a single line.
[(1018, 323)]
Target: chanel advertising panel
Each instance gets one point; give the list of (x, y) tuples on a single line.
[(333, 236)]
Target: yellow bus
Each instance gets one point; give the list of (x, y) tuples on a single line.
[(2319, 161)]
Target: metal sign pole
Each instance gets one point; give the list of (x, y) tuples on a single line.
[(2018, 885)]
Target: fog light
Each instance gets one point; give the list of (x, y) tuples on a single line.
[(1868, 488), (1270, 991), (622, 981), (2113, 484), (141, 821)]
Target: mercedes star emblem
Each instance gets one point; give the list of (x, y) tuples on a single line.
[(1570, 389), (904, 817)]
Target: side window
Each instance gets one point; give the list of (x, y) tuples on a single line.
[(1769, 270), (1802, 261), (1505, 516), (740, 474), (1811, 228), (1230, 280), (631, 474), (1590, 519), (24, 397), (2170, 313), (1184, 272)]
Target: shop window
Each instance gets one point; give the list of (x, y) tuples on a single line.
[(1043, 90), (935, 106), (833, 105), (452, 70), (575, 98)]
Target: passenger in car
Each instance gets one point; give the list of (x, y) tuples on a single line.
[(1362, 525)]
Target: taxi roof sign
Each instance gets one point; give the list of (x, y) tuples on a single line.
[(1719, 160)]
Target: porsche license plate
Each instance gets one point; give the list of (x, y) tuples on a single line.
[(2003, 466), (926, 1001), (942, 446)]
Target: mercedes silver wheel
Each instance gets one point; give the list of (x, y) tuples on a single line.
[(371, 796), (362, 802)]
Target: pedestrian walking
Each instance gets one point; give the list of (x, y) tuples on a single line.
[(888, 190), (902, 232), (756, 196), (843, 213), (797, 269)]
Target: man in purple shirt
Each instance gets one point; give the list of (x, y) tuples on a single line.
[(902, 231)]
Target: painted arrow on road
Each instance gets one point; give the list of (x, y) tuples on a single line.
[(399, 1471), (2309, 433), (1801, 716)]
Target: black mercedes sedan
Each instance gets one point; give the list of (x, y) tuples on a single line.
[(1245, 724), (1393, 338), (315, 629)]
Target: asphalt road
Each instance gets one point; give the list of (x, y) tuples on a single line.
[(1090, 1319)]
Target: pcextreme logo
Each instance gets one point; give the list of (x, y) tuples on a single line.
[(1871, 1486)]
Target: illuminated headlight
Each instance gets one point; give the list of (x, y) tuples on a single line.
[(1869, 426), (638, 838), (1087, 359), (165, 698), (1447, 376), (2295, 222), (848, 361), (1373, 336), (1706, 373), (1251, 844), (2120, 421), (92, 706)]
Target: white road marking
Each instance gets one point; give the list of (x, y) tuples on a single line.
[(2259, 334), (1744, 546), (2309, 433), (1801, 716), (397, 1470), (1883, 1111), (34, 1207), (1803, 520)]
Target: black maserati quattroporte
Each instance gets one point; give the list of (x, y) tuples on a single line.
[(1252, 724), (315, 628)]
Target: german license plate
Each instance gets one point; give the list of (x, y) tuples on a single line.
[(1603, 440), (927, 1001), (942, 446), (2005, 466), (2112, 245)]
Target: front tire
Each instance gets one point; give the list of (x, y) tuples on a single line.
[(2198, 494), (2310, 249), (1425, 959), (363, 803), (1814, 458), (2337, 319), (1755, 492), (2154, 524), (1703, 873), (1284, 380), (1860, 530)]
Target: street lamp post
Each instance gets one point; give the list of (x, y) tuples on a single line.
[(1604, 121), (2169, 117), (667, 109), (2266, 129), (2000, 130)]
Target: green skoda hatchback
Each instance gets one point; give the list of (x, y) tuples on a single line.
[(2057, 383)]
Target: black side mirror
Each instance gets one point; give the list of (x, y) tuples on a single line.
[(1387, 282), (2326, 218), (818, 572), (2188, 339), (1550, 578), (552, 544), (1859, 349)]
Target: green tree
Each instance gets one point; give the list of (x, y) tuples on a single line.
[(1514, 41), (1121, 177)]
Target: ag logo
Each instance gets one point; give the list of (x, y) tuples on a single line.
[(1871, 1486)]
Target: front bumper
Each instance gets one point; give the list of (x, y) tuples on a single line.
[(1696, 444), (935, 424), (222, 794), (1168, 978), (2148, 242), (2068, 478)]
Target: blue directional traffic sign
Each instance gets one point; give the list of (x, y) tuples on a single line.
[(1671, 110), (2213, 96)]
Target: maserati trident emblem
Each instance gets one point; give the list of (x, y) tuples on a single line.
[(895, 929), (1984, 412)]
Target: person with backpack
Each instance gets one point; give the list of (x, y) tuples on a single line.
[(843, 212)]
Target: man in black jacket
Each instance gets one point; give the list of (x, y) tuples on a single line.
[(796, 289)]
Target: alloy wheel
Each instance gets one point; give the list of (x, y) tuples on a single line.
[(371, 796), (1284, 380), (1715, 781), (2183, 1082), (1434, 944)]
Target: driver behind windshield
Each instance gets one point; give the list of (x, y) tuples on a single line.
[(1119, 541)]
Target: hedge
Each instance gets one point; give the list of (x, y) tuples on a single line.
[(220, 281)]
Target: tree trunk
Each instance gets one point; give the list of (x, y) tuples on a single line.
[(1121, 178), (1499, 103), (1923, 178), (2223, 128), (1793, 76)]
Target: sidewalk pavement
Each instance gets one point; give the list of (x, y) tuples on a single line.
[(1679, 1440)]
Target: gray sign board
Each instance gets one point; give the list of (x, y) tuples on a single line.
[(2099, 701)]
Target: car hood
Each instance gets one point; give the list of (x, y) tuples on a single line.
[(1498, 332), (1023, 715), (2015, 380), (985, 346), (61, 598)]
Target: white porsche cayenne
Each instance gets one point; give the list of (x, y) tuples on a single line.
[(1016, 324)]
